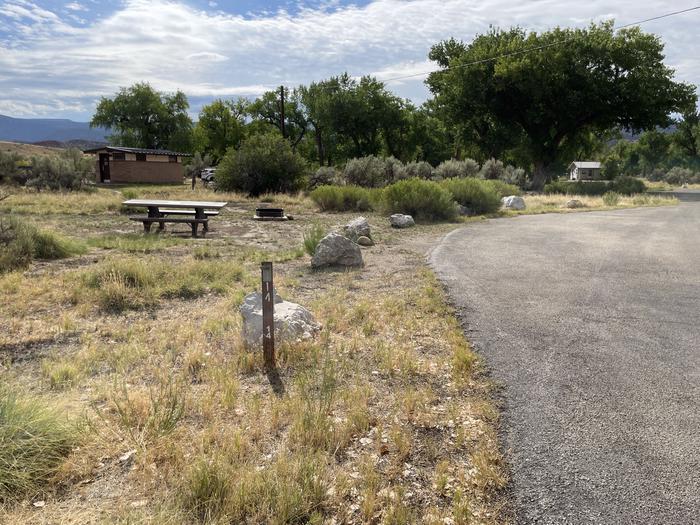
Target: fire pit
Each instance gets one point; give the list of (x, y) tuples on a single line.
[(270, 214)]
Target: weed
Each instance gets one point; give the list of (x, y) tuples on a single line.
[(312, 237), (60, 375), (145, 417)]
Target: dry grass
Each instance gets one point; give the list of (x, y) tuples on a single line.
[(85, 203), (385, 417), (29, 150), (555, 203)]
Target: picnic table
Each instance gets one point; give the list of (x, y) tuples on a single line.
[(193, 213)]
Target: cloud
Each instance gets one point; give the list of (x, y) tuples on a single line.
[(75, 6), (208, 54)]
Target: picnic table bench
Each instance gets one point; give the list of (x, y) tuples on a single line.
[(193, 213)]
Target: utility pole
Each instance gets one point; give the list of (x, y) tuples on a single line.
[(282, 128)]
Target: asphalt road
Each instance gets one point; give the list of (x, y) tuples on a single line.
[(591, 323)]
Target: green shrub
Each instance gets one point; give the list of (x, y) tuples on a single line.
[(323, 176), (372, 172), (424, 200), (622, 185), (343, 198), (592, 188), (20, 243), (492, 169), (34, 441), (312, 237), (503, 189), (420, 170), (611, 198), (9, 167), (627, 185), (69, 171), (514, 176), (677, 176), (478, 195), (263, 163), (452, 168)]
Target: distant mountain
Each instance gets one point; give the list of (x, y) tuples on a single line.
[(48, 129)]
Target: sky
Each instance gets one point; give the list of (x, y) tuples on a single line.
[(57, 58)]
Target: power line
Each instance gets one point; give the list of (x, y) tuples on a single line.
[(538, 48)]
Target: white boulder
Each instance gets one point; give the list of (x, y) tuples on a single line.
[(357, 228), (336, 250), (574, 203), (513, 202), (399, 220), (293, 322)]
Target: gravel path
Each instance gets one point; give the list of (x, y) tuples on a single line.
[(591, 322)]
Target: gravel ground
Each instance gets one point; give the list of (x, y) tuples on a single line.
[(591, 322)]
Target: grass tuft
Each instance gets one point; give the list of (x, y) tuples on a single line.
[(21, 243), (34, 441), (312, 237)]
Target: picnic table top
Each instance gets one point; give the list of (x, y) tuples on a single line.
[(175, 204)]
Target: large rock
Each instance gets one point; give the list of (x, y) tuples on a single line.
[(574, 203), (293, 322), (513, 202), (336, 250), (399, 220), (357, 228)]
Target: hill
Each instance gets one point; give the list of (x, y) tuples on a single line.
[(47, 129), (28, 150)]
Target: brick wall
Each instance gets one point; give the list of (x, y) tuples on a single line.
[(125, 171)]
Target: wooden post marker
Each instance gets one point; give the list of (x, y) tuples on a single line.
[(268, 307)]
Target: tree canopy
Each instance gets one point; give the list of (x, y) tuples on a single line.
[(545, 92), (142, 117)]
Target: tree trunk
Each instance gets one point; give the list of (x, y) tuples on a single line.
[(319, 146), (539, 177)]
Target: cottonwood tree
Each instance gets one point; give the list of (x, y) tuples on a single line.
[(546, 91), (219, 127), (142, 117), (268, 109)]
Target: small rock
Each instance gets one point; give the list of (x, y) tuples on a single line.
[(463, 210), (399, 220), (127, 457), (357, 228), (336, 250), (574, 203), (364, 241), (39, 504), (513, 202), (293, 322)]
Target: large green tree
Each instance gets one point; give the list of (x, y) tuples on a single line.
[(351, 118), (545, 92), (220, 126), (142, 117), (268, 109)]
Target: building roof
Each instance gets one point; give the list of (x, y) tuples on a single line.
[(137, 150), (585, 165)]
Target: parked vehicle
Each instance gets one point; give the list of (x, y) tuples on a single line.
[(207, 174)]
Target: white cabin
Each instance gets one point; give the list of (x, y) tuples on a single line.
[(584, 171)]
